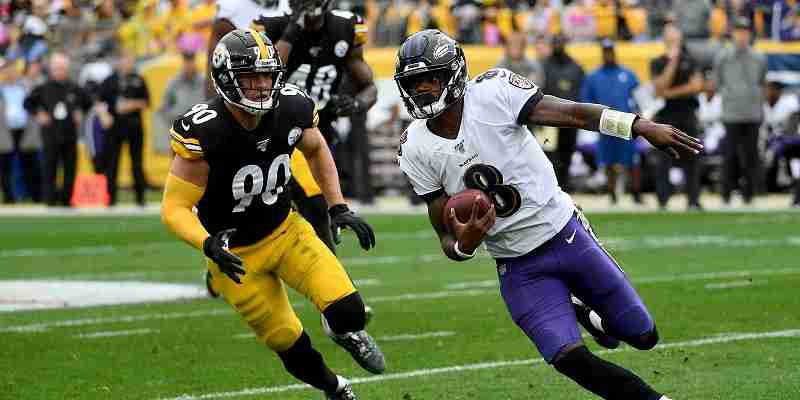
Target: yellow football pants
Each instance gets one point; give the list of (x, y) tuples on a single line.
[(292, 254), (302, 174)]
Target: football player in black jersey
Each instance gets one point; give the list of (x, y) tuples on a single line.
[(319, 47), (233, 164)]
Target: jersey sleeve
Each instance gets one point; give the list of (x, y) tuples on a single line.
[(185, 140), (418, 171)]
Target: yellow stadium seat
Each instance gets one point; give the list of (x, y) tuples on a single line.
[(636, 18)]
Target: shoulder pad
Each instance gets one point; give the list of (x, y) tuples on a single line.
[(186, 131), (296, 103)]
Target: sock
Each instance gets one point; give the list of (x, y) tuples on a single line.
[(307, 365)]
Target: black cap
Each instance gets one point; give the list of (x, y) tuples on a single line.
[(607, 44), (741, 23)]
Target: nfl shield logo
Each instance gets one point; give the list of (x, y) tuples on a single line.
[(460, 147), (262, 145)]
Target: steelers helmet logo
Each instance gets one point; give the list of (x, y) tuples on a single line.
[(220, 55)]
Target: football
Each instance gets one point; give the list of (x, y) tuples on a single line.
[(462, 202)]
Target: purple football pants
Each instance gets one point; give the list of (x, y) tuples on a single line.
[(536, 288)]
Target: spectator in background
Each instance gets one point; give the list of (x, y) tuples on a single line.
[(658, 13), (25, 135), (739, 73), (678, 79), (58, 105), (142, 34), (104, 25), (182, 91), (691, 17), (31, 44), (541, 18), (578, 21), (563, 78), (6, 155), (468, 20), (780, 123), (125, 95), (516, 60), (709, 114), (613, 85)]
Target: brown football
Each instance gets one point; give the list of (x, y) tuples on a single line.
[(462, 202)]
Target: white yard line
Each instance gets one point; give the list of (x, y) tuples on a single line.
[(489, 289), (42, 326), (394, 338), (733, 284), (612, 242), (700, 276), (425, 335), (792, 333), (96, 335)]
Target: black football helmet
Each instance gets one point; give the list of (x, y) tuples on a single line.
[(241, 52), (310, 8), (426, 56)]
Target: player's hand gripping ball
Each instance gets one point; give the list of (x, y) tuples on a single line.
[(463, 202)]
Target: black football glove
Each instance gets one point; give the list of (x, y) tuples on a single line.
[(345, 105), (216, 248), (342, 217)]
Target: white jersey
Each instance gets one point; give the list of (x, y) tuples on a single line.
[(241, 13), (491, 134), (776, 117)]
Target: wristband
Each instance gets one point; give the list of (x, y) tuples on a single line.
[(464, 256), (617, 123)]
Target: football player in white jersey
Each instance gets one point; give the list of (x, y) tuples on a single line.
[(473, 135)]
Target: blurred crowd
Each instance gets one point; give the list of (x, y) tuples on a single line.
[(68, 72), (489, 22)]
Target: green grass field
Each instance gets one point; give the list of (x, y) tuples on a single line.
[(722, 287)]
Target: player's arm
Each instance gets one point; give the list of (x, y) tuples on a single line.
[(219, 28), (323, 169), (446, 239), (185, 186), (363, 81), (561, 113)]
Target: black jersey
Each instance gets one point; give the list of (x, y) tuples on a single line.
[(249, 170), (318, 62)]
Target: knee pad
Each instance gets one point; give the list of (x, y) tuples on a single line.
[(646, 341), (346, 314), (603, 378), (282, 337)]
